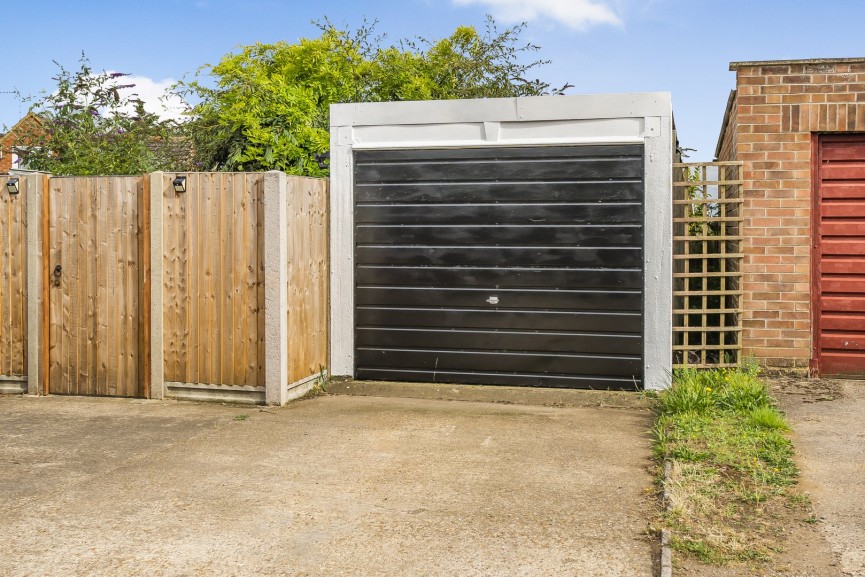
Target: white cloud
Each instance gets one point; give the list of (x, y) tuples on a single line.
[(153, 93), (576, 14)]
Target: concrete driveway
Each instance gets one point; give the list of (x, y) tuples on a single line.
[(335, 485), (828, 418)]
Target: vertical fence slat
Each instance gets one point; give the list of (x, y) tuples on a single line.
[(198, 318), (112, 223), (13, 281), (129, 295), (210, 317), (142, 247), (58, 307), (181, 299), (226, 280), (253, 257), (18, 261), (259, 279), (239, 280), (5, 279)]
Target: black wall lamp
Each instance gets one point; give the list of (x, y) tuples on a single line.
[(12, 186), (179, 184), (322, 159)]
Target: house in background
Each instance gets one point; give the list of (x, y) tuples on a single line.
[(16, 139), (798, 127)]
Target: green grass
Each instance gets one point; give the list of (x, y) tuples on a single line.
[(732, 464)]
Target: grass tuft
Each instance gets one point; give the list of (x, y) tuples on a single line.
[(732, 463), (768, 418)]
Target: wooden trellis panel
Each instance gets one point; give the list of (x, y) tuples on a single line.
[(707, 253)]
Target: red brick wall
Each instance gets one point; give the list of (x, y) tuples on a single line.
[(19, 135), (779, 108), (5, 156)]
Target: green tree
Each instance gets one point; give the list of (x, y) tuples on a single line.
[(267, 106), (87, 126)]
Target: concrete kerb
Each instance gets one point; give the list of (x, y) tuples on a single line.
[(667, 502), (536, 396)]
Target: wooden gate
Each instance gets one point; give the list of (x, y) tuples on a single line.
[(98, 293)]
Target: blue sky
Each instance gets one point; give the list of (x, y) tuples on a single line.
[(680, 46)]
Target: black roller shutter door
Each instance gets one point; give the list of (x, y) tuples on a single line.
[(509, 266)]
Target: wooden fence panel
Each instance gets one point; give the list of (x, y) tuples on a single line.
[(13, 280), (93, 343), (214, 280), (306, 216), (96, 318)]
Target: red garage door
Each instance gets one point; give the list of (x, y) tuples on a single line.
[(839, 332)]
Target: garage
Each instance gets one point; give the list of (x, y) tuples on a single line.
[(520, 242)]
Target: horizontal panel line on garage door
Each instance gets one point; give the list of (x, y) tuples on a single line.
[(630, 300), (487, 160), (520, 205), (499, 309), (584, 364), (515, 277), (492, 170), (839, 264), (490, 319), (500, 152), (604, 235), (541, 226), (500, 340), (517, 192), (505, 214), (842, 321), (850, 284), (527, 185), (553, 355), (510, 256), (504, 379), (852, 355)]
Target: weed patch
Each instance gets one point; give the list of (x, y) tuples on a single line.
[(732, 464)]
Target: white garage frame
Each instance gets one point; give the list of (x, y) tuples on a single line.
[(644, 118)]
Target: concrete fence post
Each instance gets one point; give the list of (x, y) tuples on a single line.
[(37, 185), (275, 289), (157, 251)]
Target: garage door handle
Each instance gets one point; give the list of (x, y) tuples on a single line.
[(493, 300)]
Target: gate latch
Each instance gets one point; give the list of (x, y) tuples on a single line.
[(493, 300)]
